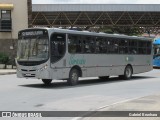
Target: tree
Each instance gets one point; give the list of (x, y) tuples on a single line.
[(121, 30)]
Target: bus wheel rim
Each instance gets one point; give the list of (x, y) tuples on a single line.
[(128, 72), (74, 76)]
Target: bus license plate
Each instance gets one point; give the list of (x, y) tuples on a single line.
[(28, 74)]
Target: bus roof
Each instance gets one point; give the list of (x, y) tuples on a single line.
[(90, 33)]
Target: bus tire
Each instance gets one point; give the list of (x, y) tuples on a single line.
[(47, 81), (73, 77), (127, 73), (104, 77)]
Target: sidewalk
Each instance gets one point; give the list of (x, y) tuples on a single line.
[(7, 71), (149, 103)]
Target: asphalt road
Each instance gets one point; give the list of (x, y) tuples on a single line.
[(31, 95)]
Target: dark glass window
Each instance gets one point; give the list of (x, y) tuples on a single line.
[(88, 44), (123, 46), (113, 45), (5, 22), (107, 45), (6, 14), (149, 47), (133, 47), (74, 44), (101, 45), (142, 47), (58, 46)]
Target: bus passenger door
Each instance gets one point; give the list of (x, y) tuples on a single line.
[(57, 52)]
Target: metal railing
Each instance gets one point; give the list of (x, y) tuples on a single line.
[(5, 25)]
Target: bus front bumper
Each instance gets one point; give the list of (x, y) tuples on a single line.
[(45, 74)]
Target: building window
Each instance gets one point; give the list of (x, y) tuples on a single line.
[(6, 14), (5, 21)]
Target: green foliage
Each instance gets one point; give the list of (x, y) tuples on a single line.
[(3, 58), (122, 30)]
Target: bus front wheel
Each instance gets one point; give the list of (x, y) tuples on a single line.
[(47, 81), (73, 77)]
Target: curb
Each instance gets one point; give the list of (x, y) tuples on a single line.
[(7, 73)]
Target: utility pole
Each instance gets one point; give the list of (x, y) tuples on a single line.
[(29, 4)]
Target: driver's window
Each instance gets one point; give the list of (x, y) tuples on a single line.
[(58, 46)]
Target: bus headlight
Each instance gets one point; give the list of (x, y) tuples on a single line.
[(18, 69), (43, 68)]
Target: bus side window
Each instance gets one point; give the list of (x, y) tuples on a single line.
[(89, 44), (149, 47), (109, 45), (101, 46), (57, 46), (61, 48), (97, 45), (113, 46), (74, 44), (116, 46), (133, 47), (142, 47), (71, 44), (86, 46), (123, 46)]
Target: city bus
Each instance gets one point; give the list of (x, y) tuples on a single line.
[(61, 54), (156, 57)]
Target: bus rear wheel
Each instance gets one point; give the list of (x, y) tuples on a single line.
[(73, 77), (127, 73), (47, 81)]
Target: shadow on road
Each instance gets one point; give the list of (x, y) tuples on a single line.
[(82, 83)]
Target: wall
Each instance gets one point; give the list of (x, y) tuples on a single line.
[(19, 15)]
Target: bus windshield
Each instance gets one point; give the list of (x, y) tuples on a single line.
[(156, 49), (32, 49)]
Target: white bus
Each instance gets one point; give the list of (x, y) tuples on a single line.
[(52, 53)]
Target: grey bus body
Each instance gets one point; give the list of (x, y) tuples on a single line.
[(59, 53)]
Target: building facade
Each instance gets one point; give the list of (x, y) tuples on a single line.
[(13, 17)]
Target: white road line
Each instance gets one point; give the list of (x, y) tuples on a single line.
[(118, 103), (77, 118), (127, 100)]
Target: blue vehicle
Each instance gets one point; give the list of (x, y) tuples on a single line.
[(156, 57)]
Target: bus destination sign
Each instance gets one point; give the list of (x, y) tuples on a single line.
[(32, 33)]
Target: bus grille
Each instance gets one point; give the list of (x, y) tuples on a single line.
[(30, 63), (28, 70)]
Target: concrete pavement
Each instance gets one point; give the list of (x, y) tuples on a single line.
[(149, 103), (7, 71)]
